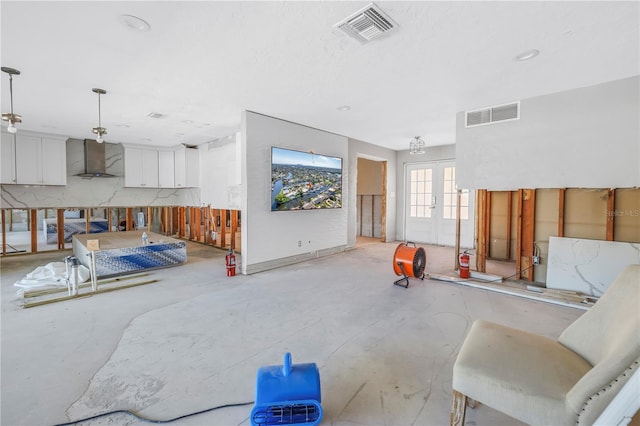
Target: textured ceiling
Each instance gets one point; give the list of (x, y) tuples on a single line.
[(204, 62)]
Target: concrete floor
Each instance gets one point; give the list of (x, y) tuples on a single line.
[(196, 338)]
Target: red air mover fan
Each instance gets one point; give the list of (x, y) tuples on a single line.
[(409, 262)]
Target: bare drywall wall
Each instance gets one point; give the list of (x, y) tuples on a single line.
[(586, 137), (271, 239)]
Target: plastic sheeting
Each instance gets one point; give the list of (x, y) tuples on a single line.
[(50, 275)]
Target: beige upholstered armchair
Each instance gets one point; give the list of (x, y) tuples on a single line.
[(541, 381)]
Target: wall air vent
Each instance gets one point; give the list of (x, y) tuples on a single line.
[(493, 114), (367, 24)]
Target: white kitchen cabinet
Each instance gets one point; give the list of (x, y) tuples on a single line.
[(166, 165), (187, 167), (8, 159), (140, 167), (34, 159)]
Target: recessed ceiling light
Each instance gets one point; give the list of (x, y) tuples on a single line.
[(179, 134), (527, 54), (134, 23), (155, 115), (187, 121), (124, 126), (344, 108)]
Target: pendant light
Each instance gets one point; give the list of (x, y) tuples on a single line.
[(10, 116), (417, 146), (100, 131)]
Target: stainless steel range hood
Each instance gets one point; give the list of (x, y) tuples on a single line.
[(94, 160)]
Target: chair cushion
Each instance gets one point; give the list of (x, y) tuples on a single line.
[(518, 373)]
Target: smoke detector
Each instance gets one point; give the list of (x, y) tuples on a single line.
[(367, 24)]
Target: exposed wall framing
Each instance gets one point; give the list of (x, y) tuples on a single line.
[(603, 214)]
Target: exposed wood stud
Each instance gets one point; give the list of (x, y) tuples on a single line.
[(4, 231), (34, 230), (60, 228), (129, 219), (383, 231), (519, 236), (87, 220), (456, 262), (561, 194), (611, 206), (509, 201)]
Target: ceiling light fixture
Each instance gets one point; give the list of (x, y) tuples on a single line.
[(526, 55), (344, 108), (100, 131), (10, 116), (417, 146)]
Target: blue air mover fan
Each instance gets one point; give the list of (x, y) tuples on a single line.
[(287, 395)]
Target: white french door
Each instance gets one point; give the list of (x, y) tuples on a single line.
[(431, 205)]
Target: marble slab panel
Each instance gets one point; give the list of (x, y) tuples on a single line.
[(587, 266)]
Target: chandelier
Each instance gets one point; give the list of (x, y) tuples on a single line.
[(417, 146)]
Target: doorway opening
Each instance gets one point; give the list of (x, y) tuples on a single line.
[(371, 201)]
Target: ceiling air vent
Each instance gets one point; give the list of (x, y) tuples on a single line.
[(493, 114), (367, 24)]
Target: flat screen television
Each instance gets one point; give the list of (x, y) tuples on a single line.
[(305, 180)]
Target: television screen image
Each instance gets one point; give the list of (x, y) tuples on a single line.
[(305, 180)]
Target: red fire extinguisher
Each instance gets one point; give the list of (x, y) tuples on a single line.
[(464, 265), (230, 259)]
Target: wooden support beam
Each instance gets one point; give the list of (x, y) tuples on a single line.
[(456, 262), (182, 222), (561, 193), (234, 227), (519, 236), (60, 228), (223, 227), (34, 230), (87, 221), (383, 230), (487, 225), (109, 220), (527, 245), (149, 217), (198, 223), (481, 243), (4, 231), (129, 219), (509, 201), (611, 210)]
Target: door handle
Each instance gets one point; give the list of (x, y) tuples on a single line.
[(433, 202)]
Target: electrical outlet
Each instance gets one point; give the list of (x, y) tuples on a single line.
[(536, 260), (299, 243)]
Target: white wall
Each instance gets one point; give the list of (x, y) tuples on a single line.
[(376, 153), (434, 153), (94, 192), (220, 177), (587, 137), (270, 239)]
